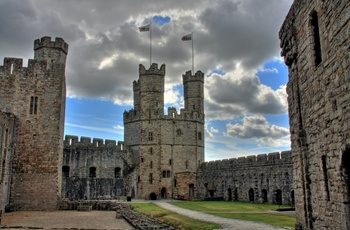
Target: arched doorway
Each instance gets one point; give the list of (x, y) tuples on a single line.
[(251, 195), (163, 193), (264, 196), (235, 195), (191, 190), (229, 194), (152, 196), (278, 196)]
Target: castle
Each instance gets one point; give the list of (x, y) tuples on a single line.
[(315, 45), (162, 155)]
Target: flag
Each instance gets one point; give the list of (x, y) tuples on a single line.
[(144, 28), (187, 37)]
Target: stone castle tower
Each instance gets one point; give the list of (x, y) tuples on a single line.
[(315, 45), (167, 149), (36, 96)]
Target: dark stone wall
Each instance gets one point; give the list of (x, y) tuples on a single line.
[(94, 170)]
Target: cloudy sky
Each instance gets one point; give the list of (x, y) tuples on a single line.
[(235, 44)]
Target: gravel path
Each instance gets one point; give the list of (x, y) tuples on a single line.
[(226, 223)]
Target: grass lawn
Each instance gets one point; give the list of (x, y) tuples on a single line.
[(242, 211), (172, 218)]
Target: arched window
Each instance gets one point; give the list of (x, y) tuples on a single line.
[(92, 172), (65, 171)]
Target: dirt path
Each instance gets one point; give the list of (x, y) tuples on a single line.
[(65, 220)]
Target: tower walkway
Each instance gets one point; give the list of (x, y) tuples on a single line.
[(226, 223)]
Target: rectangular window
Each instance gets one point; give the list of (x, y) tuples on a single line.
[(199, 135), (150, 136), (168, 174), (33, 109), (186, 163), (316, 36), (150, 178)]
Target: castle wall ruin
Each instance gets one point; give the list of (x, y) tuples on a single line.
[(265, 178), (315, 45)]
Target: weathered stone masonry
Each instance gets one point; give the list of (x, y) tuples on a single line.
[(36, 96), (94, 170), (265, 178), (315, 38)]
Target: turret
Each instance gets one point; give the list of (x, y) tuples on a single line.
[(151, 90), (194, 91), (52, 51)]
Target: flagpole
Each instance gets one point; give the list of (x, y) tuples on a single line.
[(150, 44), (192, 56)]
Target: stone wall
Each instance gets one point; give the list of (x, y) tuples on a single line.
[(315, 45), (36, 96), (7, 135), (94, 170), (265, 178)]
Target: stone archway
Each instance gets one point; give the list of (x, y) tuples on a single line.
[(153, 196)]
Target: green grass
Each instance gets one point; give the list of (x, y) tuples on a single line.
[(171, 218), (242, 211)]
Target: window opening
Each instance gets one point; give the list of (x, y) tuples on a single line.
[(251, 195), (11, 68), (117, 172), (92, 172), (178, 132), (150, 178), (325, 175), (264, 196), (199, 135), (65, 171), (33, 105), (150, 136), (278, 196), (316, 35)]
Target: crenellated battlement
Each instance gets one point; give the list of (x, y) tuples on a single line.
[(73, 141), (274, 158), (136, 85), (187, 77), (153, 70), (45, 42), (14, 66)]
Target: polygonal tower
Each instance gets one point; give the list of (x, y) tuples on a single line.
[(166, 149), (36, 95)]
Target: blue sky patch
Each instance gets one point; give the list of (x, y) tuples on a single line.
[(160, 20)]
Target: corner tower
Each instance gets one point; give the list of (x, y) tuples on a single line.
[(36, 95), (194, 91)]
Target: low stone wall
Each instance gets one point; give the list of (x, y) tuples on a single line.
[(137, 220)]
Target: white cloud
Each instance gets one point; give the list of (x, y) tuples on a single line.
[(257, 127)]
